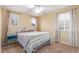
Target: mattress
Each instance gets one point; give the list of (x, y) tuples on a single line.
[(30, 40)]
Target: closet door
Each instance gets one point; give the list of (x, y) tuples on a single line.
[(76, 26), (65, 28)]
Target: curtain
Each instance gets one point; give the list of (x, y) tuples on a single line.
[(4, 25), (75, 27)]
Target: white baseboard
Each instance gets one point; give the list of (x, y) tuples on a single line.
[(65, 43)]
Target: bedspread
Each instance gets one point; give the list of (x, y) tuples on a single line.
[(30, 40)]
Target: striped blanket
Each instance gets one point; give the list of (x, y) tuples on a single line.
[(30, 40)]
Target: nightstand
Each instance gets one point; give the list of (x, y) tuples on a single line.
[(11, 38)]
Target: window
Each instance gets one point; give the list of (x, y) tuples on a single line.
[(64, 21), (33, 21)]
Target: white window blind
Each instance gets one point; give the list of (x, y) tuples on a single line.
[(33, 20), (64, 21)]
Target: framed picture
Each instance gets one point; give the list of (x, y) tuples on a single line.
[(14, 19)]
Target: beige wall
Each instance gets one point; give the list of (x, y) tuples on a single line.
[(24, 21), (48, 24)]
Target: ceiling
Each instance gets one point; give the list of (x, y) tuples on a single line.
[(27, 10)]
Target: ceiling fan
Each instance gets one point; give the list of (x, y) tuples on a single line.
[(36, 8)]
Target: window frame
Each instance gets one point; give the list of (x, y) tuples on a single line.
[(64, 28)]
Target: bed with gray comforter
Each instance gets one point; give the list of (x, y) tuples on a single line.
[(32, 40)]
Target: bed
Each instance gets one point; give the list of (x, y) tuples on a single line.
[(31, 41)]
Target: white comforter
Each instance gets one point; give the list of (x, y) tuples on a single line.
[(30, 40)]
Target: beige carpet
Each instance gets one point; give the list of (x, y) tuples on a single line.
[(53, 48), (58, 48), (12, 48)]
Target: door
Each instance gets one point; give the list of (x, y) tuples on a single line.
[(64, 28)]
